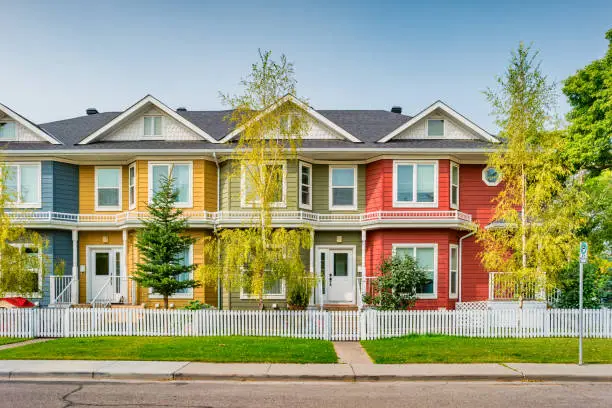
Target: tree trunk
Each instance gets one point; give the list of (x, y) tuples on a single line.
[(166, 302)]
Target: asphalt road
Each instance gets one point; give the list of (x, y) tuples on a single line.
[(292, 395)]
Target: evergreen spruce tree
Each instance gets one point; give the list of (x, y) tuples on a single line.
[(162, 243)]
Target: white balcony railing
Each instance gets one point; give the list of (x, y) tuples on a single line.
[(506, 286), (239, 217)]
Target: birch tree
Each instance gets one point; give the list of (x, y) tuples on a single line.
[(270, 124), (539, 209)]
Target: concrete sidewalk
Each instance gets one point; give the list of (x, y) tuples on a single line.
[(176, 370)]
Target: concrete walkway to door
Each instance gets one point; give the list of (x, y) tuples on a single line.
[(351, 352)]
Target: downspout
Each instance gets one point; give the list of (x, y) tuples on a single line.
[(219, 288), (460, 285)]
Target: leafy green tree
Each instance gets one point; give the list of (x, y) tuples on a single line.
[(397, 285), (596, 277), (540, 208), (22, 255), (162, 243), (270, 124), (589, 92)]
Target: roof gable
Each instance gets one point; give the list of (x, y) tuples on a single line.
[(320, 126), (456, 126), (128, 124), (26, 131)]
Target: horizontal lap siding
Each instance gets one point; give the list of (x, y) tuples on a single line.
[(88, 238), (475, 198), (320, 189), (87, 190), (65, 188), (375, 185), (46, 180), (380, 243)]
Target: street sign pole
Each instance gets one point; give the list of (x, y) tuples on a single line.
[(584, 251)]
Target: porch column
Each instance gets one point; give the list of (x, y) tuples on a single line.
[(74, 290), (124, 236)]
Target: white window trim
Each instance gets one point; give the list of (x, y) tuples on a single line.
[(38, 294), (277, 296), (333, 207), (484, 179), (414, 203), (110, 207), (433, 295), (153, 137), (443, 127), (189, 203), (17, 203), (132, 205), (450, 191), (14, 138), (452, 295), (251, 204), (188, 295), (307, 206)]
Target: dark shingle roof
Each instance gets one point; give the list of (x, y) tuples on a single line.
[(366, 125)]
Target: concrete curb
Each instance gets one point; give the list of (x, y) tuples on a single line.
[(16, 370)]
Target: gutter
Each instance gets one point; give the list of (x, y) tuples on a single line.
[(461, 263)]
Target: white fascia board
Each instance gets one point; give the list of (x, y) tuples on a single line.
[(29, 125), (313, 113), (149, 99), (448, 110)]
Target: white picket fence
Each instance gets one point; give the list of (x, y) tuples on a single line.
[(312, 324)]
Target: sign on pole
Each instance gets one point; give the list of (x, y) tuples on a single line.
[(584, 254)]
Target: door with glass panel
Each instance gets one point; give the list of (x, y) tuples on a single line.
[(336, 266), (106, 275)]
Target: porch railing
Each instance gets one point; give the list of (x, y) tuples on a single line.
[(62, 290), (114, 290), (506, 286)]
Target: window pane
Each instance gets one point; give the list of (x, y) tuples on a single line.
[(425, 183), (454, 195), (305, 195), (159, 173), (341, 264), (404, 252), (132, 195), (108, 177), (425, 259), (491, 175), (305, 175), (278, 174), (157, 121), (453, 282), (132, 171), (435, 127), (455, 175), (7, 130), (11, 180), (404, 182), (108, 197), (273, 288), (29, 184), (342, 196), (180, 172), (102, 263), (343, 177), (148, 126)]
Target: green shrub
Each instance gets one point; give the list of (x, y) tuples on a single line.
[(197, 305)]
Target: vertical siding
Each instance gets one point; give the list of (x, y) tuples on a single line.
[(65, 188)]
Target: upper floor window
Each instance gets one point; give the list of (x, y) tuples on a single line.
[(491, 176), (305, 185), (152, 126), (435, 127), (7, 131), (425, 256), (181, 172), (343, 187), (23, 184), (249, 195), (108, 188), (132, 185), (415, 184), (454, 186)]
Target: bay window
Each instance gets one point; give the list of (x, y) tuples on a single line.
[(108, 188), (23, 184), (454, 186), (342, 187), (426, 257), (415, 184), (305, 177), (181, 173), (453, 271)]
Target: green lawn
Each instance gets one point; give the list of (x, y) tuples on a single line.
[(9, 340), (446, 349), (210, 349)]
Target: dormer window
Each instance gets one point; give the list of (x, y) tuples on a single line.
[(152, 126), (435, 127), (7, 131)]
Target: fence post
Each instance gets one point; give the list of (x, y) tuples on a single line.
[(363, 324), (32, 328), (328, 325), (67, 322)]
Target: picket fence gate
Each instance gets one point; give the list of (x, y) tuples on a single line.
[(311, 324)]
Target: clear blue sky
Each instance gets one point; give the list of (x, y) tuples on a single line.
[(62, 57)]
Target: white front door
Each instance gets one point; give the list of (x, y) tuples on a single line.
[(105, 273), (338, 266)]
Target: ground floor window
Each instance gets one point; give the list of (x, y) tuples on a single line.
[(273, 289), (426, 256), (33, 264), (453, 271)]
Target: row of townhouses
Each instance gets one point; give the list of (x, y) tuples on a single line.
[(369, 182)]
